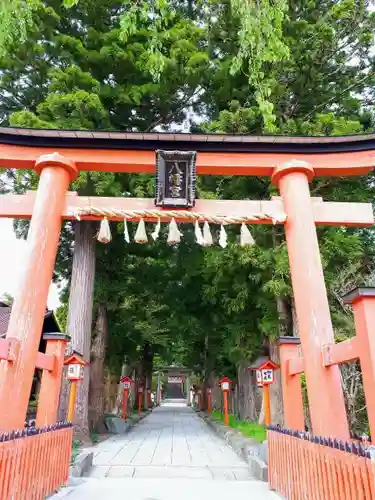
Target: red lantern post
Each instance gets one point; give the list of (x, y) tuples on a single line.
[(126, 382), (225, 384), (199, 392), (209, 399), (140, 396), (265, 377), (75, 364)]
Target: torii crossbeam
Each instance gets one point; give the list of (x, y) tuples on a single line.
[(58, 157), (325, 213)]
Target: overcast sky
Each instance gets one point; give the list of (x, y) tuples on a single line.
[(12, 252)]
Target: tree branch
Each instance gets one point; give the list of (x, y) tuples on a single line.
[(334, 97)]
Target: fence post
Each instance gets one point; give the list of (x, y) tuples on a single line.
[(363, 303), (49, 393), (294, 417)]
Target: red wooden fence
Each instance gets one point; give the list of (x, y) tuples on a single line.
[(301, 466), (34, 462)]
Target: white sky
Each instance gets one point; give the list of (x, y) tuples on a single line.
[(12, 251)]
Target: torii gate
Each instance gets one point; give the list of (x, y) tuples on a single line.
[(174, 371), (58, 156)]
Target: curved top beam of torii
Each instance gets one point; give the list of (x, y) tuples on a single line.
[(216, 154), (173, 370)]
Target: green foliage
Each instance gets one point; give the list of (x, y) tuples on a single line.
[(62, 316), (220, 66), (261, 43), (76, 445), (7, 299), (94, 437), (16, 19), (247, 428)]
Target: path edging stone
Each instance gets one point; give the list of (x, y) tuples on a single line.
[(82, 464), (249, 449), (116, 425)]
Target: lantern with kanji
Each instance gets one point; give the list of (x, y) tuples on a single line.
[(225, 384), (259, 378), (126, 384), (75, 366), (148, 398), (265, 372), (199, 393), (265, 376), (75, 372)]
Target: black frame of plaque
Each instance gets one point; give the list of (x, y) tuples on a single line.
[(186, 161)]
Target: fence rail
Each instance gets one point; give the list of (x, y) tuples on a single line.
[(34, 462), (304, 467)]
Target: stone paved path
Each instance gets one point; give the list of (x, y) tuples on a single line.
[(172, 454)]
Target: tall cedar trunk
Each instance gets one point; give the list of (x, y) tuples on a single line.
[(147, 366), (216, 395), (111, 384), (143, 370), (276, 394), (207, 382), (205, 376), (139, 381), (246, 392), (80, 320), (285, 329), (98, 349)]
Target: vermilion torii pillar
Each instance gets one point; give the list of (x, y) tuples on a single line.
[(49, 394), (28, 311), (326, 399), (294, 416)]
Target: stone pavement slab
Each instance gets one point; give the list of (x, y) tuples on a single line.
[(169, 489), (172, 454), (171, 441)]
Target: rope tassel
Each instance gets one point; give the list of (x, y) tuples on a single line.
[(126, 231), (223, 238), (246, 238), (185, 215), (141, 235), (174, 234), (207, 236), (104, 234), (198, 234), (156, 231)]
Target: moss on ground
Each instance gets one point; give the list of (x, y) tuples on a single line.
[(246, 427)]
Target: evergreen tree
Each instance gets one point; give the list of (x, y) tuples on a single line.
[(84, 68)]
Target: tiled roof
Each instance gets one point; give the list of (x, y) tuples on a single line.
[(50, 324), (173, 137), (4, 320), (184, 141)]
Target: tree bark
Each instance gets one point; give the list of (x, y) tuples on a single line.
[(98, 349), (246, 392), (80, 320), (285, 329), (276, 393), (111, 389)]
